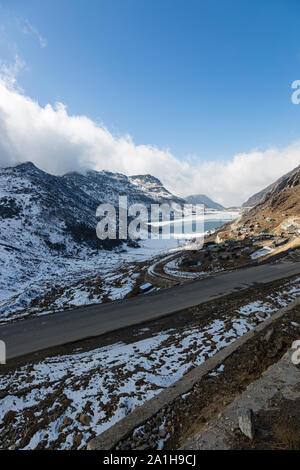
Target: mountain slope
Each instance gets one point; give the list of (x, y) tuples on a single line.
[(153, 188), (106, 187), (59, 212), (202, 199), (256, 198), (45, 212), (49, 252), (281, 203)]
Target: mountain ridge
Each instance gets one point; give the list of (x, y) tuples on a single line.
[(48, 234), (61, 210), (203, 199), (257, 197), (280, 206)]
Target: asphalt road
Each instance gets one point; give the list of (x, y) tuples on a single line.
[(28, 336)]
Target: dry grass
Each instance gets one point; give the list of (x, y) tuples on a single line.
[(287, 433)]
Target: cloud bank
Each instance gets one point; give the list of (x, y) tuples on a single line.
[(58, 142)]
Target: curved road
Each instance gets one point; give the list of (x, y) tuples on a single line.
[(28, 336)]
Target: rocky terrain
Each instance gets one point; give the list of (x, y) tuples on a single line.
[(60, 399), (192, 420), (279, 205), (58, 213), (256, 198), (48, 241)]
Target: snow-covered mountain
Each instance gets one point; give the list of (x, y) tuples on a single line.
[(104, 186), (48, 237), (202, 199), (58, 213)]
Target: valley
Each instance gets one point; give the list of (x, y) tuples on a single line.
[(107, 330), (149, 230)]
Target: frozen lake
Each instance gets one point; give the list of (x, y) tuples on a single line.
[(192, 226)]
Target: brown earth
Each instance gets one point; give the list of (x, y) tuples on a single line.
[(187, 415)]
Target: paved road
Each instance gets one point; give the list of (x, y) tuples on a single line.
[(39, 333)]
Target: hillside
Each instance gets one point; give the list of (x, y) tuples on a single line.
[(48, 237), (202, 199), (281, 203), (104, 186), (58, 213), (256, 198)]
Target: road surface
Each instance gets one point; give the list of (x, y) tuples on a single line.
[(28, 336)]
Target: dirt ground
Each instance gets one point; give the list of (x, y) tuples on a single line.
[(188, 414), (279, 429)]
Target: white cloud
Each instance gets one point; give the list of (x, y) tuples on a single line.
[(30, 30), (10, 71), (58, 142)]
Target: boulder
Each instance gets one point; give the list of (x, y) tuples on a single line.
[(84, 419), (246, 423), (67, 421)]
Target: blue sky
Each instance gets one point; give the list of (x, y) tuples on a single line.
[(203, 78)]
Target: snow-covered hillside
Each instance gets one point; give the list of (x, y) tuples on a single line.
[(48, 229)]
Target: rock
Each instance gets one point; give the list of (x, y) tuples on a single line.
[(77, 439), (84, 419), (269, 334), (67, 421), (162, 433), (9, 417), (246, 423)]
